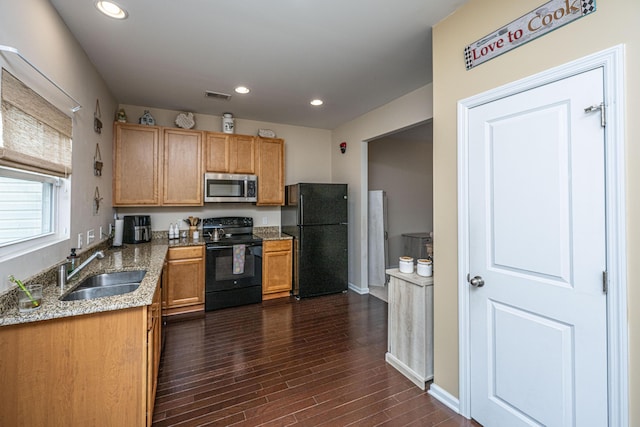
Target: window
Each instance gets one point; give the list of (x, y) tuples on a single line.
[(27, 203), (35, 164)]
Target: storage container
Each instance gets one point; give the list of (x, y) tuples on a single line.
[(425, 267), (406, 264)]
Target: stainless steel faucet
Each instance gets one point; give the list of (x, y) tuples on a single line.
[(62, 275)]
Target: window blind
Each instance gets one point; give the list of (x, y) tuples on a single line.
[(36, 136)]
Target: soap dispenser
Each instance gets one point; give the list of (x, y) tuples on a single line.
[(71, 260)]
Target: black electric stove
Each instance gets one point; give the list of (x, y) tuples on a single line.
[(233, 270)]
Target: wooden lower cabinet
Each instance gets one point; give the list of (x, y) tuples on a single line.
[(276, 269), (154, 349), (410, 326), (85, 370), (184, 280)]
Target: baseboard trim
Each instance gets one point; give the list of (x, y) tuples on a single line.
[(358, 290), (445, 397), (407, 371)]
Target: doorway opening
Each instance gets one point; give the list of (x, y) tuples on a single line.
[(400, 166)]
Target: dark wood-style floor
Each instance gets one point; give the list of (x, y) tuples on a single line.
[(313, 362)]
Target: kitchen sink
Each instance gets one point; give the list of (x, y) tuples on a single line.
[(106, 285), (102, 291)]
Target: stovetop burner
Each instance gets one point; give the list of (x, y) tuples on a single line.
[(237, 230)]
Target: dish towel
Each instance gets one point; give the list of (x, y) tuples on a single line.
[(238, 259)]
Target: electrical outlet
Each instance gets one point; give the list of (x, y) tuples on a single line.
[(101, 233), (79, 246), (264, 220), (110, 229), (91, 235)]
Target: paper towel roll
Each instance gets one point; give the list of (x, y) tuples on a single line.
[(117, 237)]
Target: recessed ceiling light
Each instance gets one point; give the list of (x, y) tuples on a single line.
[(111, 9), (242, 89), (316, 102)]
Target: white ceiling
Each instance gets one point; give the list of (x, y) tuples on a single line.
[(354, 54)]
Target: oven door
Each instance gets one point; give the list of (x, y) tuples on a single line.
[(226, 288)]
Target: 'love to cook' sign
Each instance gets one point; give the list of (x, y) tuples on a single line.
[(551, 15)]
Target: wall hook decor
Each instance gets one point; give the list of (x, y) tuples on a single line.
[(97, 162), (343, 147), (97, 123), (96, 201)]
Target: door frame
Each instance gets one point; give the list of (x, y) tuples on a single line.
[(612, 62)]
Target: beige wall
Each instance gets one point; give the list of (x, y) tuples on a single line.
[(351, 167), (614, 22), (35, 29)]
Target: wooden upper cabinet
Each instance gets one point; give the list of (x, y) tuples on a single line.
[(182, 168), (243, 154), (136, 165), (227, 153), (270, 171), (154, 166), (216, 152)]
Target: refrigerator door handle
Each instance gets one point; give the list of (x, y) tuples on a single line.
[(302, 209)]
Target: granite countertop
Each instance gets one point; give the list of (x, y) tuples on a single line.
[(271, 233), (143, 256)]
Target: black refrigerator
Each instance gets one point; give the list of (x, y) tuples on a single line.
[(316, 216)]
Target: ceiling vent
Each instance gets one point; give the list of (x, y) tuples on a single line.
[(217, 95)]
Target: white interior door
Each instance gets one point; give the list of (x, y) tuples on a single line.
[(538, 332)]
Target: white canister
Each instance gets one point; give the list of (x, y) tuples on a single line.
[(227, 123), (425, 267), (406, 264)]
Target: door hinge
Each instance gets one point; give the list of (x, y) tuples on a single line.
[(598, 107), (605, 282)]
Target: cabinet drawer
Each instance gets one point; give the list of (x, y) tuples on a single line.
[(186, 252), (276, 245)]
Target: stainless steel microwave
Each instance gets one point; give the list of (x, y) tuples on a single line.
[(226, 187)]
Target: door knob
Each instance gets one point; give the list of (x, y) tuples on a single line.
[(477, 282)]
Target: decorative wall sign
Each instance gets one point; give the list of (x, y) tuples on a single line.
[(97, 124), (548, 17), (96, 201), (97, 162)]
